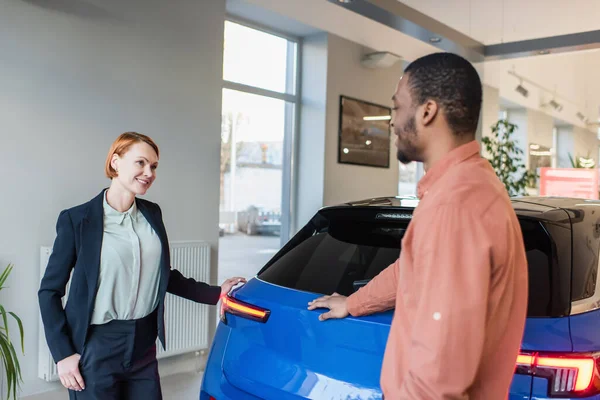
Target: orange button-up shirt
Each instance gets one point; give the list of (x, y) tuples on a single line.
[(459, 288)]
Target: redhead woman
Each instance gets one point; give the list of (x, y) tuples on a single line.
[(117, 249)]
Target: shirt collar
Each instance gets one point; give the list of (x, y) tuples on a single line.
[(451, 159), (118, 217)]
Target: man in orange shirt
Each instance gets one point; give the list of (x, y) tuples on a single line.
[(459, 288)]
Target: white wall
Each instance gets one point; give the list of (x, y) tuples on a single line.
[(539, 128), (490, 108), (73, 78), (346, 76), (565, 146), (533, 127), (578, 143), (520, 119), (584, 143)]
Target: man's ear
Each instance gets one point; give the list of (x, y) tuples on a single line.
[(429, 112)]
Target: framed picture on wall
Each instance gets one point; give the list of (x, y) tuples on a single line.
[(364, 133)]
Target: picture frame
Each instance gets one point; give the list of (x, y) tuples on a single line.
[(364, 133)]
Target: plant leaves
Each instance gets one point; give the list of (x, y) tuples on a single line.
[(12, 368), (21, 331), (4, 275)]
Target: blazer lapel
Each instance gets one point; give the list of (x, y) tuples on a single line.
[(92, 228), (157, 224)]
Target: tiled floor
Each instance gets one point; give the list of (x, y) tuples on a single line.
[(184, 386)]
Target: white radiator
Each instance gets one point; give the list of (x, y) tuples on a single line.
[(186, 322)]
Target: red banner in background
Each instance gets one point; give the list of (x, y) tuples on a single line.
[(569, 182)]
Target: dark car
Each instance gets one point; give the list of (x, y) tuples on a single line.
[(259, 221), (269, 346)]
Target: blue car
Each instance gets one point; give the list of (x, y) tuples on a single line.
[(269, 346)]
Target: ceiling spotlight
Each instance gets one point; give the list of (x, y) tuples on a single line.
[(582, 117), (522, 91), (552, 103), (435, 39), (345, 1)]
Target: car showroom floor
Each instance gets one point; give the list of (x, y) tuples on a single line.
[(175, 387)]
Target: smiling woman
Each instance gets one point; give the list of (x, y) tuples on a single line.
[(131, 164), (117, 249)]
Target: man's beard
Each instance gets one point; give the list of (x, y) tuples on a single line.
[(407, 151)]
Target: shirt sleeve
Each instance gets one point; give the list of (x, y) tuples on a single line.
[(377, 295), (452, 260)]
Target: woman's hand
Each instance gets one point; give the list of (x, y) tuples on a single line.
[(230, 283), (68, 371)]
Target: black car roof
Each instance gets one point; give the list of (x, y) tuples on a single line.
[(538, 207)]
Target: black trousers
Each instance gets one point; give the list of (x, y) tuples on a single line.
[(119, 362)]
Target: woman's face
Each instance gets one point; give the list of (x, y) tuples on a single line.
[(136, 168)]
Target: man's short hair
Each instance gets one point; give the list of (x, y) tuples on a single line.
[(453, 83)]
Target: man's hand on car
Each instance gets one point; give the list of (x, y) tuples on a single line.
[(336, 304)]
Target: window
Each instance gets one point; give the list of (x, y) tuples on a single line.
[(259, 113), (259, 59), (408, 178)]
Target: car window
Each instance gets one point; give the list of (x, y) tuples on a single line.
[(586, 247), (547, 248), (333, 255), (539, 258), (337, 256)]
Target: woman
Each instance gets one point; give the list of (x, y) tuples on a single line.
[(116, 245)]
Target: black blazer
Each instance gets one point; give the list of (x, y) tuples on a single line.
[(77, 247)]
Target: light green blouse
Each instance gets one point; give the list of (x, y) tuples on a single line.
[(129, 267)]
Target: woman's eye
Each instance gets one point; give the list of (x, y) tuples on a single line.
[(140, 162), (154, 167)]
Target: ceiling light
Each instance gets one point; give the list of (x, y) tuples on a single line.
[(345, 1), (377, 118), (552, 103), (582, 117), (435, 39), (539, 153), (522, 91)]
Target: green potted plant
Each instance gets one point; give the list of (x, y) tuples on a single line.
[(506, 157), (10, 362)]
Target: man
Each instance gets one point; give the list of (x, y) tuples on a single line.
[(460, 285)]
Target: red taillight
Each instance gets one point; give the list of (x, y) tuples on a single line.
[(236, 307), (568, 375)]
